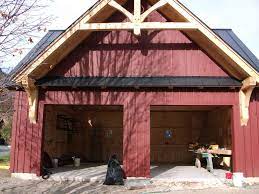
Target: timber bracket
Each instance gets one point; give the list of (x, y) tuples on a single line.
[(32, 95), (245, 94)]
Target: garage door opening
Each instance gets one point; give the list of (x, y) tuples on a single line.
[(182, 134), (91, 133)]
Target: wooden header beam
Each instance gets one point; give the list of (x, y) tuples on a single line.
[(142, 26)]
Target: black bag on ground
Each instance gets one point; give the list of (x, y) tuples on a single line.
[(115, 173), (47, 163)]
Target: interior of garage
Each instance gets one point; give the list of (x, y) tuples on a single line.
[(177, 132), (91, 133)]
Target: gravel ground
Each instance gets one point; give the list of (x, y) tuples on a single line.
[(12, 185)]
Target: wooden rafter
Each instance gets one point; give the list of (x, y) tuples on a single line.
[(211, 36)]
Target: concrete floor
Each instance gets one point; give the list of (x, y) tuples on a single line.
[(92, 172), (96, 173)]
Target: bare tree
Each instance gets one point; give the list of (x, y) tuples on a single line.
[(20, 22)]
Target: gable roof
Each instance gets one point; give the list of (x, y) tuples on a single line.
[(228, 52), (235, 43), (226, 34), (49, 37)]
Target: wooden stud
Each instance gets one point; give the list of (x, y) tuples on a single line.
[(137, 15)]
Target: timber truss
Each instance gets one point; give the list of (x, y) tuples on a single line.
[(181, 19), (137, 20)]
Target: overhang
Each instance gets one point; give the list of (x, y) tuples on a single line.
[(139, 82)]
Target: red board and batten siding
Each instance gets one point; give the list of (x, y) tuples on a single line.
[(26, 138), (120, 53), (165, 53), (27, 141)]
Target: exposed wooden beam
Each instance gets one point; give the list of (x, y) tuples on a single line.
[(174, 11), (118, 7), (244, 99), (137, 15), (247, 83), (32, 95), (156, 6), (141, 26)]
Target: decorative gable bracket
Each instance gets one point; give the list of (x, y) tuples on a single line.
[(244, 99), (32, 95)]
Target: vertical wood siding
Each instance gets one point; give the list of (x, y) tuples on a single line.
[(165, 53), (251, 138), (27, 138), (120, 53)]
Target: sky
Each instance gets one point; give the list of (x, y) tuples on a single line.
[(240, 15)]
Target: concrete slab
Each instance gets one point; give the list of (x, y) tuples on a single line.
[(93, 172), (171, 173)]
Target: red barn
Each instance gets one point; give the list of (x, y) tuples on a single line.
[(141, 79)]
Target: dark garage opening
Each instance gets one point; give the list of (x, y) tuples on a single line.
[(176, 129), (92, 133)]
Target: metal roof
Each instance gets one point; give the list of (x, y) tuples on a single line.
[(37, 50), (144, 82), (237, 45), (225, 34)]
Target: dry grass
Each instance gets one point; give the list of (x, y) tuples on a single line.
[(4, 161)]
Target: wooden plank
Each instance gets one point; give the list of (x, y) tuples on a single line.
[(156, 6), (121, 9), (254, 135), (14, 132), (22, 134), (221, 152), (141, 26)]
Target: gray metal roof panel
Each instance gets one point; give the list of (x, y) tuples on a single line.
[(37, 50), (146, 82), (236, 44)]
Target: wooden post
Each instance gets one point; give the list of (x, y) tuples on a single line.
[(137, 14), (32, 94), (244, 99)]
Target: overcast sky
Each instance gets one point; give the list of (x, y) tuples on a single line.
[(240, 15)]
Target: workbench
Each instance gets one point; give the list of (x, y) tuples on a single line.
[(209, 154)]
